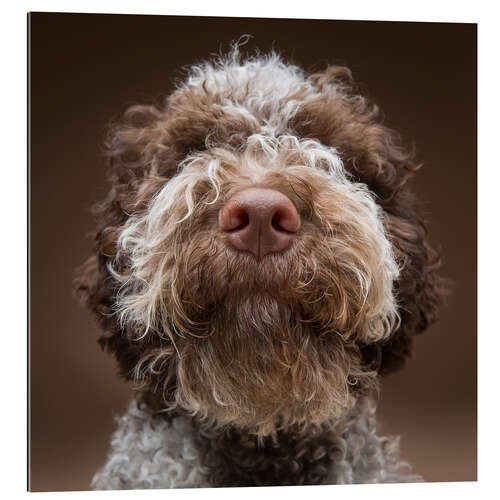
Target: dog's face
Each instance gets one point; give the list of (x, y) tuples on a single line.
[(259, 260)]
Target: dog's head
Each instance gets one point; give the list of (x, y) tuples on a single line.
[(259, 259)]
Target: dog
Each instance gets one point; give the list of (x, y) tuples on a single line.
[(260, 263)]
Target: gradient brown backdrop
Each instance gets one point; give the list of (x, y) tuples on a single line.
[(86, 68)]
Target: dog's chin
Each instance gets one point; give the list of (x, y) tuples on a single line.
[(264, 368)]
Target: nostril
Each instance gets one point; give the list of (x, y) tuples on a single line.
[(233, 218), (284, 221), (239, 220)]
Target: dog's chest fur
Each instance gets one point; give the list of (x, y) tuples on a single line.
[(149, 451)]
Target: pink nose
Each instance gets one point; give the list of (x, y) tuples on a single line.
[(260, 221)]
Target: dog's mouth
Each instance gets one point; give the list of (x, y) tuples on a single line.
[(265, 274), (235, 285), (284, 277)]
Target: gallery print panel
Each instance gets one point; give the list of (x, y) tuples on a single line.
[(260, 217)]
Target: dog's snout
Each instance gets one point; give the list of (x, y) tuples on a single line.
[(260, 221)]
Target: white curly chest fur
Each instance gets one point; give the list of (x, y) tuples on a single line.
[(150, 452)]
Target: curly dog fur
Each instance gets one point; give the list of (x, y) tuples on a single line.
[(257, 369)]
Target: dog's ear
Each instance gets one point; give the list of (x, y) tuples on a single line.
[(419, 290), (372, 153), (138, 164), (96, 289)]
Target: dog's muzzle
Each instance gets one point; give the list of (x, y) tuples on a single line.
[(260, 221)]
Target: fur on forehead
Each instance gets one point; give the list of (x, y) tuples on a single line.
[(235, 98), (264, 91)]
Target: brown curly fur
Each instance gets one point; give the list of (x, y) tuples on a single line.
[(143, 153)]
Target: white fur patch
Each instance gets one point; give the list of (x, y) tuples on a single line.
[(148, 453), (261, 90)]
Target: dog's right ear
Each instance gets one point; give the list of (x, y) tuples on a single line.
[(96, 289), (139, 163)]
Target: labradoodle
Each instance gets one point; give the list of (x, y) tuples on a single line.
[(259, 264)]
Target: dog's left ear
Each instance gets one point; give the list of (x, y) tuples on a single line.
[(419, 290), (342, 118)]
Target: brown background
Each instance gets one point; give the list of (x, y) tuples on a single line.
[(86, 68)]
